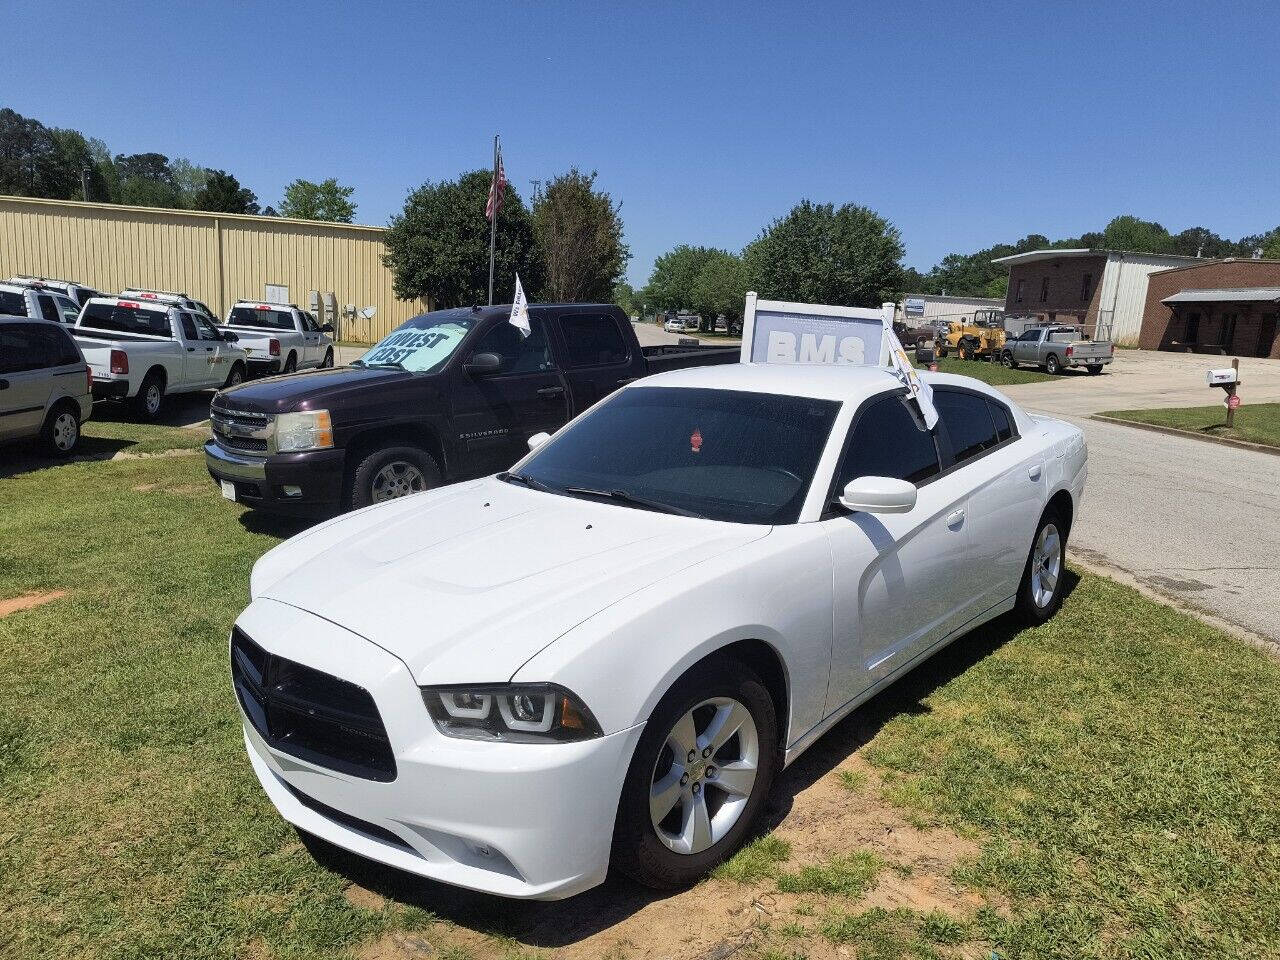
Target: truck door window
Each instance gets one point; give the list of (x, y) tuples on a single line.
[(69, 309), (593, 340), (520, 354), (188, 326), (14, 304), (49, 309)]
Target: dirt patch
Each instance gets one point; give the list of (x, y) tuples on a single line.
[(812, 809), (182, 489), (29, 600), (358, 896), (159, 455)]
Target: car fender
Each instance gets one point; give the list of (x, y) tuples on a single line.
[(776, 590)]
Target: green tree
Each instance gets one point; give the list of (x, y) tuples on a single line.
[(1271, 248), (671, 283), (147, 181), (190, 179), (1127, 232), (327, 200), (31, 162), (721, 288), (626, 296), (579, 237), (222, 193), (438, 246), (818, 253)]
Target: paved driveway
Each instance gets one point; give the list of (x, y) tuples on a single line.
[(1194, 520)]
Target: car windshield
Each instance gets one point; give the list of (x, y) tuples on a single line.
[(721, 454), (261, 317), (423, 344)]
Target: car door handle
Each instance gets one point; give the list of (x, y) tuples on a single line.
[(191, 349), (1034, 472), (955, 518), (550, 391), (4, 384)]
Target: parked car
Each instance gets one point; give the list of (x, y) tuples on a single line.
[(448, 395), (280, 337), (45, 384), (143, 350), (180, 300), (651, 614), (68, 288), (674, 325), (1054, 349), (22, 297)]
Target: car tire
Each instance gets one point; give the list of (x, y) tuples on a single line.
[(1006, 360), (391, 472), (150, 399), (290, 365), (236, 376), (646, 850), (1052, 364), (327, 362), (1094, 368), (1041, 589), (60, 432)]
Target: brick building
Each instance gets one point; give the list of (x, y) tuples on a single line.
[(1103, 291), (1214, 306)]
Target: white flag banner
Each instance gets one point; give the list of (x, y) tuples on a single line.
[(520, 310), (919, 390)]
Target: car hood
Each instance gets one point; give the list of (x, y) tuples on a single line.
[(466, 583), (310, 389)]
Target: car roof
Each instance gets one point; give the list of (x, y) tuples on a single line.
[(13, 318), (820, 381)]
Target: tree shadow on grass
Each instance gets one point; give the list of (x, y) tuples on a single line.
[(549, 925)]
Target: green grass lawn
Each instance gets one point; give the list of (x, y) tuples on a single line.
[(1119, 766), (992, 373), (1255, 422)]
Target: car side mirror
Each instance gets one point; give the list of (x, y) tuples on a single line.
[(537, 440), (230, 337), (878, 495), (327, 328), (482, 364)]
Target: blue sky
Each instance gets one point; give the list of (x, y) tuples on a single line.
[(964, 124)]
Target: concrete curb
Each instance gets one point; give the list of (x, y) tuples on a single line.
[(1175, 432)]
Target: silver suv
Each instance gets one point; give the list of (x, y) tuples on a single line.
[(46, 389)]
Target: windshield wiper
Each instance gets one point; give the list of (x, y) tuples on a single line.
[(529, 482), (624, 496)]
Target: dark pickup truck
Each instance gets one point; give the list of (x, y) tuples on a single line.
[(447, 396)]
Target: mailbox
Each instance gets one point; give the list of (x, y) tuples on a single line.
[(1223, 377)]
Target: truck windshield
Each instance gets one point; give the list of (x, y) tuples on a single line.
[(260, 317), (722, 454), (122, 319), (422, 345)]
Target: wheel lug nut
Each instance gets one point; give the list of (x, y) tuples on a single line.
[(697, 788), (684, 780), (711, 772), (693, 755), (706, 752)]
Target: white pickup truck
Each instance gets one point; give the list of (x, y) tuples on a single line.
[(280, 337), (142, 350), (23, 297)]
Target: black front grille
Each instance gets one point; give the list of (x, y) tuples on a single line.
[(309, 714), (240, 443)]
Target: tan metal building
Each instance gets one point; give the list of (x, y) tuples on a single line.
[(215, 257)]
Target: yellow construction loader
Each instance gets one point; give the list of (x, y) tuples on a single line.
[(982, 338)]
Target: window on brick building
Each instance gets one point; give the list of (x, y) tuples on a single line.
[(1044, 290), (1022, 289), (1086, 287)]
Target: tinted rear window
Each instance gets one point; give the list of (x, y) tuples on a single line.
[(34, 347), (12, 303), (108, 316), (968, 421), (593, 340), (253, 317)]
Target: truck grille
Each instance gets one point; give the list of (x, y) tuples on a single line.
[(308, 714), (240, 430)]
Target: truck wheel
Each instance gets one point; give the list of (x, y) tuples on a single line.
[(390, 473), (291, 364), (61, 431), (150, 399), (699, 777), (236, 376), (1052, 365), (1006, 360), (1094, 368), (327, 361), (1040, 592)]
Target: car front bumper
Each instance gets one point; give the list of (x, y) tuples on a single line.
[(519, 820), (304, 484)]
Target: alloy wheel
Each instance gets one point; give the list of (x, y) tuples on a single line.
[(397, 479), (66, 430), (704, 775), (152, 398), (1046, 565)]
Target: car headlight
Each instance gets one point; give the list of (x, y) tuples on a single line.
[(511, 712), (308, 430)]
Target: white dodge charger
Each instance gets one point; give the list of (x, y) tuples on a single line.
[(605, 656)]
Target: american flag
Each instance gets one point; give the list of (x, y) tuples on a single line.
[(496, 188)]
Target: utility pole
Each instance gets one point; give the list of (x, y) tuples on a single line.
[(537, 186), (493, 221), (84, 183)]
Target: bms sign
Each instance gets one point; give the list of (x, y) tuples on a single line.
[(779, 332)]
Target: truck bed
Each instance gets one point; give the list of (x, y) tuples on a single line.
[(664, 357)]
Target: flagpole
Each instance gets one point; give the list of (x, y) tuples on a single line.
[(493, 221)]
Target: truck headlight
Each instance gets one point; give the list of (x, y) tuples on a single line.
[(512, 712), (308, 430)]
